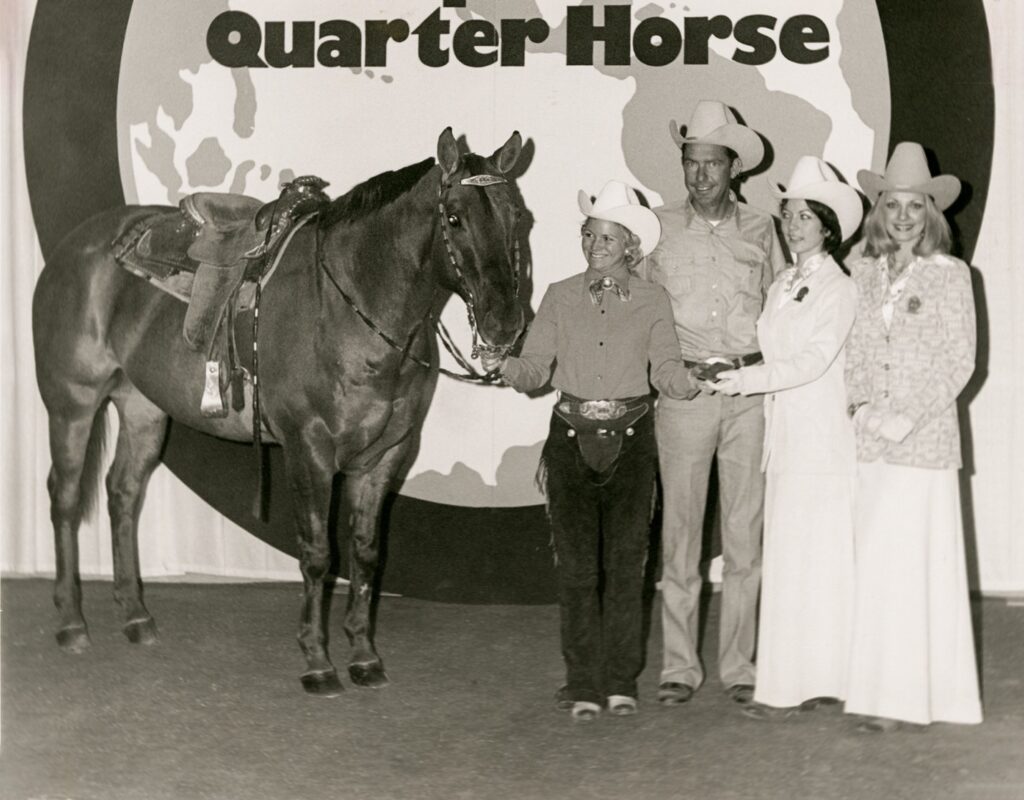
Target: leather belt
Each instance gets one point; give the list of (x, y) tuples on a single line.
[(740, 361), (600, 409)]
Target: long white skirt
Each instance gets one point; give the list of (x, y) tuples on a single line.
[(912, 653), (806, 588)]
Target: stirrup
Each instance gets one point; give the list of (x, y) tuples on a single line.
[(212, 404)]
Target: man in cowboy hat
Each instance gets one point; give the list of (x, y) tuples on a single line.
[(717, 257)]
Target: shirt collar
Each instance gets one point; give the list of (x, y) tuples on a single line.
[(812, 265), (695, 219)]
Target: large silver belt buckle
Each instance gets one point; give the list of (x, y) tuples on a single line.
[(602, 409)]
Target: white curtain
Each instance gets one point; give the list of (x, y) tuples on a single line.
[(181, 534), (997, 413)]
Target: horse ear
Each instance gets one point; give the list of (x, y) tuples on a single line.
[(506, 155), (447, 153)]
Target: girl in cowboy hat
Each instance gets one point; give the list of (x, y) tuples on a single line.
[(595, 336), (807, 569), (910, 355)]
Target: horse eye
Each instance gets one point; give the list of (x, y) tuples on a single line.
[(453, 220)]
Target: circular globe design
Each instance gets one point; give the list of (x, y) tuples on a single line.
[(186, 123), (114, 114)]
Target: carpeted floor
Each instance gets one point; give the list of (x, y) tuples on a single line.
[(216, 711)]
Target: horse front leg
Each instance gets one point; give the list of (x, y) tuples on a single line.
[(364, 499), (310, 477)]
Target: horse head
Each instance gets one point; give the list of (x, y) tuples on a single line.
[(479, 215)]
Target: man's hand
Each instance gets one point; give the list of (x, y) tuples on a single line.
[(708, 372)]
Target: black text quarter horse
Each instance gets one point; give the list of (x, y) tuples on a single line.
[(347, 362)]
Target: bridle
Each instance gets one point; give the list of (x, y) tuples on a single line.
[(478, 348), (471, 375)]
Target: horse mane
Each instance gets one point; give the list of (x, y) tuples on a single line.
[(375, 193)]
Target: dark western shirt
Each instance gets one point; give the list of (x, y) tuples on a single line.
[(601, 352)]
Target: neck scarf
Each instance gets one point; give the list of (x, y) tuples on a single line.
[(600, 285)]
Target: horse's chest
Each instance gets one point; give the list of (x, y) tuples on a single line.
[(372, 428)]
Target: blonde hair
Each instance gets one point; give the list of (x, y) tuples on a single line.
[(936, 238), (634, 254)]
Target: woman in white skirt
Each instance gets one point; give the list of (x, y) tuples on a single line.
[(910, 355), (809, 453)]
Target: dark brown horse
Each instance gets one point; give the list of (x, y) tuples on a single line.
[(347, 364)]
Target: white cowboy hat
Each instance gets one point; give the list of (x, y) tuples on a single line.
[(907, 171), (813, 179), (713, 123), (619, 203)]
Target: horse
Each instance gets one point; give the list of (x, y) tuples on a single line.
[(347, 364)]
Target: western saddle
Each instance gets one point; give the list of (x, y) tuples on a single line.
[(210, 252)]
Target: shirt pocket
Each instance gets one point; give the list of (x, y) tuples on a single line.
[(676, 274), (750, 286)]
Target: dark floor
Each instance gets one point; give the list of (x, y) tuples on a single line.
[(216, 711)]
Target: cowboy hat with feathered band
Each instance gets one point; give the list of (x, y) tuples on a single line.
[(813, 179), (619, 203), (713, 123), (907, 171)]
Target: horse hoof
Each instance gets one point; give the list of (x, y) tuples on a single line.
[(322, 684), (141, 631), (73, 640), (371, 675)]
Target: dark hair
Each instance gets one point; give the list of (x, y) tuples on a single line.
[(829, 221), (936, 238), (731, 154)]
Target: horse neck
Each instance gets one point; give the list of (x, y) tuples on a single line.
[(385, 259)]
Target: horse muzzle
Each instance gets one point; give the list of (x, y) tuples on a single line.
[(500, 330)]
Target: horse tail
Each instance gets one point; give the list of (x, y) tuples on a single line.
[(89, 485)]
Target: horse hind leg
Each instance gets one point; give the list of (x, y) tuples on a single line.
[(77, 434), (140, 439)]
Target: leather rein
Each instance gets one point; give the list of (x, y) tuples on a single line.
[(470, 374)]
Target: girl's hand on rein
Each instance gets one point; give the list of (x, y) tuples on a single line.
[(491, 362)]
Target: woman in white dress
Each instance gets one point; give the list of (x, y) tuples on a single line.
[(809, 456), (910, 355)]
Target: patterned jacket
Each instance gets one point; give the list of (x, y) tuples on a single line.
[(920, 364)]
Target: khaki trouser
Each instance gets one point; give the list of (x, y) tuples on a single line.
[(690, 434)]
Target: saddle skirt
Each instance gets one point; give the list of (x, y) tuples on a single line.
[(219, 229), (166, 247)]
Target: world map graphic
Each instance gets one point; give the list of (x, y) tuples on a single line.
[(187, 123)]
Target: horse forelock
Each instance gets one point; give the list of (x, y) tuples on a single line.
[(376, 193)]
